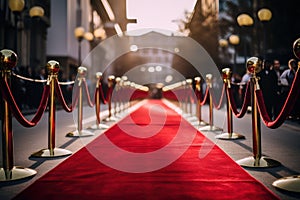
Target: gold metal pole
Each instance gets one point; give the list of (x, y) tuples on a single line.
[(198, 105), (80, 107), (185, 99), (52, 151), (230, 135), (111, 80), (98, 124), (116, 102), (189, 98), (254, 66), (211, 126), (123, 87), (9, 172), (80, 132)]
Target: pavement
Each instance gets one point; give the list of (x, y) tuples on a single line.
[(281, 144)]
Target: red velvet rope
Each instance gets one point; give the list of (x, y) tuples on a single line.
[(242, 112), (286, 109), (102, 95), (170, 95), (90, 103), (97, 91), (109, 93), (205, 97), (61, 98), (198, 94), (218, 106), (6, 92)]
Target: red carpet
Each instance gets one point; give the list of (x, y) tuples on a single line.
[(204, 171)]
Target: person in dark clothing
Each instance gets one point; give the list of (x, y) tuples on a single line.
[(268, 84), (287, 78)]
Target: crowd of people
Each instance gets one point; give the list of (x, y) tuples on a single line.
[(28, 94), (275, 84)]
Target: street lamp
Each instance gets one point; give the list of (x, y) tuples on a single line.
[(234, 40), (100, 33), (16, 6), (264, 15), (245, 20), (79, 34), (88, 36), (223, 43), (36, 11)]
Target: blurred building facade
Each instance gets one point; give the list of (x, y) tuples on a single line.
[(37, 39)]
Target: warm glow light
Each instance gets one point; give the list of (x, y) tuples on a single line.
[(79, 32), (36, 11), (100, 33), (234, 39), (88, 36), (133, 48), (264, 15), (108, 10), (118, 29), (151, 69), (168, 78), (223, 43), (143, 69), (16, 5), (244, 20), (158, 68)]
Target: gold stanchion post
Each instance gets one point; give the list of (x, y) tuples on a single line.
[(185, 99), (189, 97), (52, 151), (200, 122), (211, 126), (111, 80), (9, 172), (98, 124), (80, 132), (123, 88), (230, 135), (291, 183), (254, 66), (117, 103)]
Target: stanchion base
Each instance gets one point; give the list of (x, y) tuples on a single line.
[(290, 183), (210, 128), (264, 162), (197, 123), (99, 126), (186, 115), (82, 133), (57, 152), (192, 118), (232, 136), (17, 173), (111, 119)]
